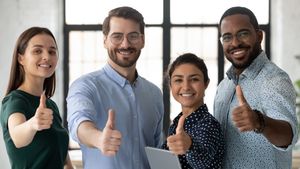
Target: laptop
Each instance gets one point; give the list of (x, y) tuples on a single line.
[(162, 159)]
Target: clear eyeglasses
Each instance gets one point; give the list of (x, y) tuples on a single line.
[(133, 38), (241, 36)]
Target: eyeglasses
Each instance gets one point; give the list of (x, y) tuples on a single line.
[(241, 36), (133, 38)]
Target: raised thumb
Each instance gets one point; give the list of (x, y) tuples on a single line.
[(180, 125), (111, 119), (240, 95), (43, 100)]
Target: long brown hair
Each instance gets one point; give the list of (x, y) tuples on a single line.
[(17, 72)]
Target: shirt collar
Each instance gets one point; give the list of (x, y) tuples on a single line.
[(196, 113), (116, 77), (252, 70)]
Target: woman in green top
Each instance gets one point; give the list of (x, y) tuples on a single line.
[(32, 127)]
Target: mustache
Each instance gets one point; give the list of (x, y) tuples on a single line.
[(238, 47), (127, 49)]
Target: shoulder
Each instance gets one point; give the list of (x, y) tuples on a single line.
[(15, 98), (86, 81), (13, 102), (273, 76), (147, 84)]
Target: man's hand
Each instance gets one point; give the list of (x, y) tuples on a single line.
[(243, 117), (110, 139)]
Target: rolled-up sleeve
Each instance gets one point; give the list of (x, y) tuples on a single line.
[(80, 106), (281, 103)]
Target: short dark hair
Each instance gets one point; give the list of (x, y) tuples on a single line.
[(243, 11), (123, 12), (189, 58), (17, 73)]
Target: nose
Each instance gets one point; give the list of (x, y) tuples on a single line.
[(235, 41), (186, 85), (45, 56), (125, 43)]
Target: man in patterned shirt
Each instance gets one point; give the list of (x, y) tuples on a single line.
[(255, 103)]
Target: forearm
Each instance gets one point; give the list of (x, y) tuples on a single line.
[(88, 134), (20, 130), (278, 132)]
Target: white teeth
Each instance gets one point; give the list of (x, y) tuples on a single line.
[(186, 94), (238, 52), (44, 65), (125, 52)]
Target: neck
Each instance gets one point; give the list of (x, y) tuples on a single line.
[(34, 87), (128, 73)]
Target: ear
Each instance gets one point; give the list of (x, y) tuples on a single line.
[(260, 35), (21, 59), (143, 41), (105, 39)]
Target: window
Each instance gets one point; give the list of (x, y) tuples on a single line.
[(172, 28)]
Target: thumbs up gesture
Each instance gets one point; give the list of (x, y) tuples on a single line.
[(110, 140), (243, 117), (181, 141), (43, 116)]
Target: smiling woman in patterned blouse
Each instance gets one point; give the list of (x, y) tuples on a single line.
[(195, 135)]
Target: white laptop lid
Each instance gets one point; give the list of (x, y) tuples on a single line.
[(162, 159)]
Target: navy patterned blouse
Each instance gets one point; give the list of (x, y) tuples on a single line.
[(207, 149)]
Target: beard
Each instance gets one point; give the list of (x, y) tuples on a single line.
[(126, 62), (252, 55)]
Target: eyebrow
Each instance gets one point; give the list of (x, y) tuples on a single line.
[(41, 46), (123, 33), (241, 30), (193, 75)]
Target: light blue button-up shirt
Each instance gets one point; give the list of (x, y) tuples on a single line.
[(138, 116), (268, 89)]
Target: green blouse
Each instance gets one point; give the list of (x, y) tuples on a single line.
[(48, 148)]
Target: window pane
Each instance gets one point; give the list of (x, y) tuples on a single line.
[(210, 12), (87, 53), (150, 62), (94, 11), (204, 43)]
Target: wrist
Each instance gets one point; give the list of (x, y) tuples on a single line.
[(261, 122)]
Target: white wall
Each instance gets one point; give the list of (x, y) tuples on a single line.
[(285, 40), (15, 17)]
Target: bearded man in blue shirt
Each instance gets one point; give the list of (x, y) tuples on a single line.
[(114, 113)]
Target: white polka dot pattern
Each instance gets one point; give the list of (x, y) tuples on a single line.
[(206, 151)]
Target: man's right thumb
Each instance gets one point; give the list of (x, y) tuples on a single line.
[(111, 119)]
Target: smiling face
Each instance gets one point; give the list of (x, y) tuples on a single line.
[(188, 87), (243, 50), (40, 57), (126, 53)]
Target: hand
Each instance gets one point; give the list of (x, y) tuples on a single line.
[(243, 117), (110, 140), (43, 117), (181, 141)]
